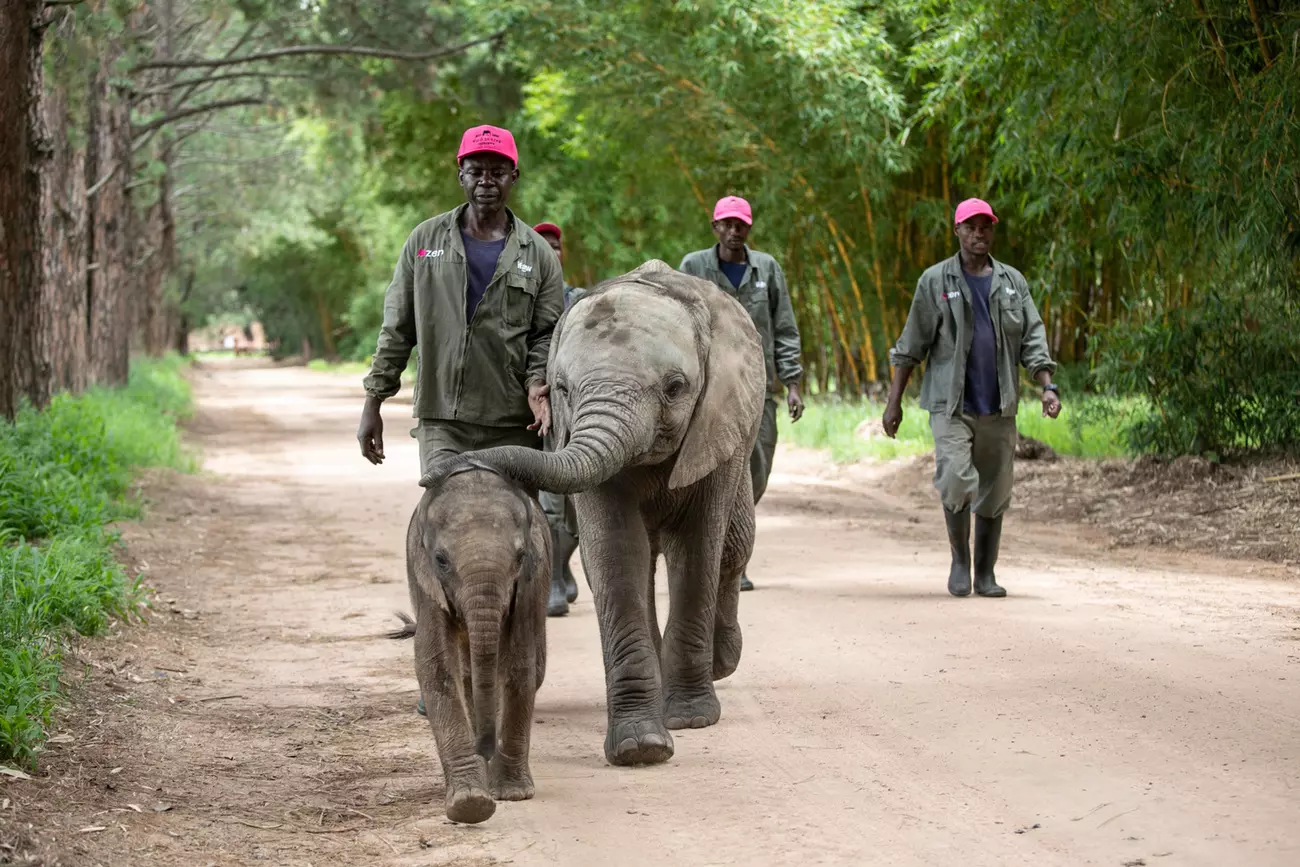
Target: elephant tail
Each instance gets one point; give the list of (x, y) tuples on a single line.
[(406, 631)]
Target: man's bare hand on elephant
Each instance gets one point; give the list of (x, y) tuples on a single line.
[(540, 403), (370, 433)]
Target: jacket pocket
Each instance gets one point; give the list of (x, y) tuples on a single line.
[(520, 295), (1013, 324)]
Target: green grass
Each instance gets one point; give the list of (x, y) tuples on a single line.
[(1091, 428), (65, 474)]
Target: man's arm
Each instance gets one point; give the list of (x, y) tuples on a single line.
[(396, 339), (397, 334), (786, 346), (546, 312), (912, 349), (1035, 355)]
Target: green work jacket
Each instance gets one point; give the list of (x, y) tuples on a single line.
[(477, 371), (765, 296), (940, 327)]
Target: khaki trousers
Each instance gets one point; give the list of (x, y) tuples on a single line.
[(439, 438), (760, 459), (973, 461)]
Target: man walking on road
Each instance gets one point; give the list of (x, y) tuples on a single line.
[(974, 319), (757, 281), (559, 508), (476, 293)]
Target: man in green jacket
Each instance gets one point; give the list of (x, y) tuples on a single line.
[(757, 281), (973, 318), (476, 293), (559, 508)]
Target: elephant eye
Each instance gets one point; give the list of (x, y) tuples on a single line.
[(520, 558), (674, 388), (440, 557)]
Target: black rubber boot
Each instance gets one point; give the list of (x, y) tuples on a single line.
[(557, 604), (988, 536), (566, 544), (745, 583), (959, 542)]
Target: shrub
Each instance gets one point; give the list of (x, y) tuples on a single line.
[(64, 474)]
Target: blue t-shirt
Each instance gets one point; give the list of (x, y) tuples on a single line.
[(983, 396), (480, 264), (735, 271)]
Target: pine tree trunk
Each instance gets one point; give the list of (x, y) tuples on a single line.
[(64, 229), (25, 369), (108, 284)]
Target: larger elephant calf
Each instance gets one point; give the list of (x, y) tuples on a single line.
[(657, 384)]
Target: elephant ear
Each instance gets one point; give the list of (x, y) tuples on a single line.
[(419, 559), (728, 408)]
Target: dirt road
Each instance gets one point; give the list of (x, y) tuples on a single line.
[(1109, 712)]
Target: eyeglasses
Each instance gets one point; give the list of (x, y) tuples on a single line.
[(477, 174)]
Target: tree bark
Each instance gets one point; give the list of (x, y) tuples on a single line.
[(108, 280), (64, 228), (25, 369)]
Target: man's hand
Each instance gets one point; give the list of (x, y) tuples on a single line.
[(1051, 404), (794, 400), (370, 433), (540, 403), (892, 418)]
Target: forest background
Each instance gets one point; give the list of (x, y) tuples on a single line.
[(169, 163)]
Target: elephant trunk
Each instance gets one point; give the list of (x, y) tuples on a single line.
[(483, 622), (601, 443)]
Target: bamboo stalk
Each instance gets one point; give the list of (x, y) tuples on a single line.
[(1219, 49), (835, 322), (867, 343), (1259, 33)]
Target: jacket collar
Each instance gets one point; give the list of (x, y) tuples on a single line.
[(515, 239), (716, 261)]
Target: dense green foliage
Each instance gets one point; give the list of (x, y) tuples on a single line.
[(1144, 157), (64, 475)]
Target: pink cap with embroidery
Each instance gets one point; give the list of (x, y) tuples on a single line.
[(971, 208), (488, 140), (733, 206)]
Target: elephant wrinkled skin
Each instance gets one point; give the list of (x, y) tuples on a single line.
[(657, 385), (478, 561)]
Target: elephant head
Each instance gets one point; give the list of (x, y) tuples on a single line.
[(653, 367), (477, 551)]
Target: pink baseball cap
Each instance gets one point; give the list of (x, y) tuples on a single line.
[(971, 208), (489, 140), (733, 206)]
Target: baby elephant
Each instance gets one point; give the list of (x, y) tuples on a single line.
[(478, 559)]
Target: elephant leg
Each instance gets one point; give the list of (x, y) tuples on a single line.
[(436, 667), (617, 552), (736, 550), (694, 553), (509, 772)]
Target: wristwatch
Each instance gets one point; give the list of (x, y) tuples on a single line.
[(1051, 386)]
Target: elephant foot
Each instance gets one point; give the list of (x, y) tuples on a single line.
[(726, 651), (512, 784), (638, 742), (693, 709), (469, 805)]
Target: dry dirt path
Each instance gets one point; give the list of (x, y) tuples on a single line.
[(1143, 710)]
